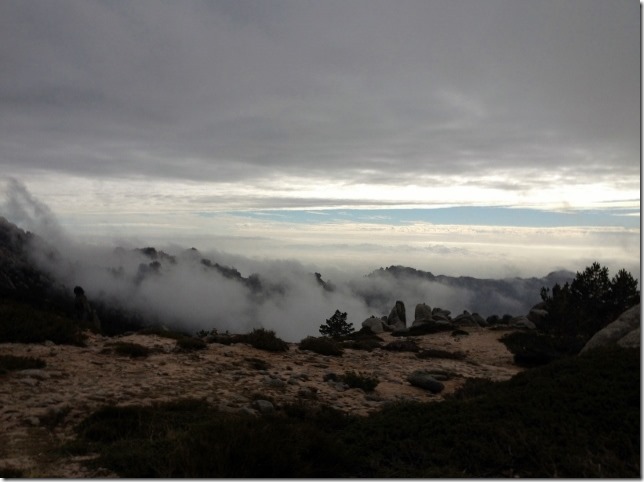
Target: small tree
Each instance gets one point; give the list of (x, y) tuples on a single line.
[(337, 326)]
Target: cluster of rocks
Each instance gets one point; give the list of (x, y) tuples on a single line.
[(426, 316)]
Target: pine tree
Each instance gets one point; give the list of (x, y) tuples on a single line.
[(337, 326)]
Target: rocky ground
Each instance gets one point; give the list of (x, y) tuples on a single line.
[(39, 408)]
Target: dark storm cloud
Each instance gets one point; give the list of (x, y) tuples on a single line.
[(364, 90)]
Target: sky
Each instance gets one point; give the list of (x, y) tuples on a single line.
[(463, 137)]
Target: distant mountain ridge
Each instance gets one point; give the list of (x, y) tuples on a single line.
[(490, 296), (23, 278)]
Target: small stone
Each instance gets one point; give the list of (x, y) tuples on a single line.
[(264, 406)]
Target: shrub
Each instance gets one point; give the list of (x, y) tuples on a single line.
[(263, 340), (189, 439), (533, 348), (133, 350), (337, 326), (436, 353), (402, 345), (355, 380), (257, 363), (188, 343), (364, 344), (10, 362), (163, 333), (21, 323), (574, 418), (322, 346)]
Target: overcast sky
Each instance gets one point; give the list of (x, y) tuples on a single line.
[(159, 113)]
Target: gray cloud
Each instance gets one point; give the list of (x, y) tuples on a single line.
[(360, 90)]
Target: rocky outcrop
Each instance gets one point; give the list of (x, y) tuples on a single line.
[(374, 324), (425, 380), (397, 318), (422, 313), (624, 331)]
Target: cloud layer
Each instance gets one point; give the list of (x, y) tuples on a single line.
[(249, 98)]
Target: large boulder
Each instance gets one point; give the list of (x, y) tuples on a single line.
[(522, 322), (537, 316), (624, 331), (426, 381), (374, 324), (397, 317), (422, 313)]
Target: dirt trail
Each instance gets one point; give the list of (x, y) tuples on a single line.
[(39, 408)]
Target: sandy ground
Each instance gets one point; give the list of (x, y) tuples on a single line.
[(39, 408)]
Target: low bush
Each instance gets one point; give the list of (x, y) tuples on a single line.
[(364, 344), (257, 363), (437, 353), (188, 343), (11, 473), (263, 339), (321, 345), (162, 332), (577, 417), (534, 348), (402, 345), (133, 350), (191, 439), (21, 323), (355, 380), (10, 363)]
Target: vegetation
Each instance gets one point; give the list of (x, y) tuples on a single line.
[(133, 350), (355, 380), (589, 303), (163, 333), (258, 363), (337, 326), (437, 353), (402, 345), (10, 363), (188, 343), (321, 346), (576, 417), (532, 349), (22, 323), (263, 340)]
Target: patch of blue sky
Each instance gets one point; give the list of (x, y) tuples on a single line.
[(475, 215)]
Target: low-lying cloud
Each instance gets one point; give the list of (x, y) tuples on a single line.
[(212, 289)]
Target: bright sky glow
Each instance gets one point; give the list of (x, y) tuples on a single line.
[(496, 135)]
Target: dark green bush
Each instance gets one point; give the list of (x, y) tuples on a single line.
[(263, 339), (436, 353), (364, 344), (133, 350), (162, 332), (191, 439), (355, 380), (534, 348), (402, 345), (10, 363), (188, 343), (577, 417), (11, 473), (257, 363), (321, 345), (21, 323)]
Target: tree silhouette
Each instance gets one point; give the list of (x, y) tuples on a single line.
[(337, 326)]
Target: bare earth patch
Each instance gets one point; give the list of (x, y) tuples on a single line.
[(39, 408)]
